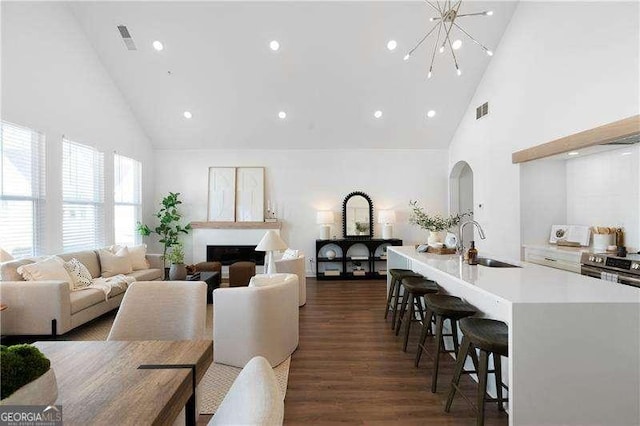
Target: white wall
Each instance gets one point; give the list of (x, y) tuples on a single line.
[(53, 81), (300, 182), (560, 68)]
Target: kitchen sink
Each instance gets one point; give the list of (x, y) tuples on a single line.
[(492, 263)]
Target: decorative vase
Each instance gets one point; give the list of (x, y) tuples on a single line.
[(41, 391), (177, 272), (436, 238), (331, 254)]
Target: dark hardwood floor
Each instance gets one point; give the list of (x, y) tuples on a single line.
[(350, 368)]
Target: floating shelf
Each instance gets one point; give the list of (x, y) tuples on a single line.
[(236, 225)]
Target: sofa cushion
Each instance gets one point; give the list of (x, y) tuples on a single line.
[(88, 258), (114, 264), (9, 270), (138, 257), (4, 256), (146, 275), (50, 268), (79, 273), (87, 297)]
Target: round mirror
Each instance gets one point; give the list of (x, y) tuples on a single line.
[(357, 216)]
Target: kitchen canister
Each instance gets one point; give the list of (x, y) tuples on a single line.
[(601, 242)]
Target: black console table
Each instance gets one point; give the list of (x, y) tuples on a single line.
[(354, 259)]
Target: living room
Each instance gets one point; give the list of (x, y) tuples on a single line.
[(109, 107)]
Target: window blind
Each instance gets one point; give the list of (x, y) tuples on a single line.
[(127, 197), (22, 190), (82, 197)]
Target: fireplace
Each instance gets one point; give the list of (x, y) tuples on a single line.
[(230, 254)]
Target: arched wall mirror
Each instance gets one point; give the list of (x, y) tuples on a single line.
[(357, 216), (461, 193)]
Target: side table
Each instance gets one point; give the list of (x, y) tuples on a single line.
[(211, 278)]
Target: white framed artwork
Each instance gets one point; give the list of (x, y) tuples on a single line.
[(250, 194), (222, 194)]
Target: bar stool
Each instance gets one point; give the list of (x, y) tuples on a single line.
[(414, 289), (443, 307), (393, 298), (490, 337)]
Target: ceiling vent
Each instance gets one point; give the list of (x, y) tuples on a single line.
[(126, 37), (482, 110)]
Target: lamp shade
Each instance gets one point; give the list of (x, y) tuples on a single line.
[(270, 242), (386, 216), (325, 217)]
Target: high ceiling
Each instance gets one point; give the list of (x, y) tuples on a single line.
[(332, 72)]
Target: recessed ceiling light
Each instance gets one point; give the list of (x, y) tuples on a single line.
[(282, 115), (377, 114), (187, 114), (572, 153), (274, 45), (456, 44), (158, 45), (431, 114), (392, 44)]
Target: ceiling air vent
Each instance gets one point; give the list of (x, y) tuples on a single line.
[(482, 110), (126, 36)]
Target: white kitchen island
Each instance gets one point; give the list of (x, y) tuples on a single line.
[(574, 341)]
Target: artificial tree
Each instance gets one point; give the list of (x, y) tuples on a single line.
[(169, 228)]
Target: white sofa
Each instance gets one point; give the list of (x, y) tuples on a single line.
[(50, 307), (261, 319), (294, 266), (254, 398)]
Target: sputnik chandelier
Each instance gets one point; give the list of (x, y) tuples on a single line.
[(448, 18)]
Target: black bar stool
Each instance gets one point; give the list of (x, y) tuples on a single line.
[(414, 290), (393, 298), (490, 337), (443, 307)]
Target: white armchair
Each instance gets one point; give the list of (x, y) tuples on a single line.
[(261, 319), (294, 266)]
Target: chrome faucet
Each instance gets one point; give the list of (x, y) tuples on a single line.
[(460, 247)]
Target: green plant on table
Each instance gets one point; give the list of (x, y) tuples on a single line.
[(20, 364), (362, 226), (177, 254), (433, 223), (169, 228)]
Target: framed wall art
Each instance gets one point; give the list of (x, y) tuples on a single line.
[(250, 194), (222, 194)]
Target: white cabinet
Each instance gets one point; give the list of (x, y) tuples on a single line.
[(567, 259)]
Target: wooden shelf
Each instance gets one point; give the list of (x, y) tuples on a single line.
[(236, 225)]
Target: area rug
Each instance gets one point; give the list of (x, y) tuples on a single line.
[(216, 382)]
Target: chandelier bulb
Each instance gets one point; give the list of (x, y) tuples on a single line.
[(489, 13), (459, 71), (490, 53), (442, 49), (429, 75), (406, 57)]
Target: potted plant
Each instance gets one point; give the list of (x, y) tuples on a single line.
[(169, 228), (27, 377), (436, 225), (177, 271), (362, 228)]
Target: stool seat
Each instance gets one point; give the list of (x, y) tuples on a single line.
[(487, 334), (400, 274), (449, 306), (419, 285)]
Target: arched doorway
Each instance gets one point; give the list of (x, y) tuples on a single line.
[(461, 194)]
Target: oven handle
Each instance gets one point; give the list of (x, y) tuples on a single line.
[(597, 272)]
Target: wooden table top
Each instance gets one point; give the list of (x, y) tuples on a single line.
[(100, 382)]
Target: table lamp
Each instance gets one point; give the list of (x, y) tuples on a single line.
[(326, 219), (387, 218), (269, 243)]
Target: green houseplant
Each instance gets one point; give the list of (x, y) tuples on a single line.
[(177, 271), (169, 229), (437, 225), (26, 376)]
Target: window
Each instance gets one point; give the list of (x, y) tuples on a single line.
[(127, 174), (22, 159), (82, 197)]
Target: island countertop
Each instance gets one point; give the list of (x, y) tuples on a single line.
[(528, 283)]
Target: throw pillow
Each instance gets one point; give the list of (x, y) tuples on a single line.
[(290, 254), (138, 257), (48, 269), (4, 256), (114, 264), (79, 274)]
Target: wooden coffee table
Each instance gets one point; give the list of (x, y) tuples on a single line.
[(212, 279)]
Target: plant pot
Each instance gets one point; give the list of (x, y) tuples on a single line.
[(177, 272), (436, 238), (41, 391)]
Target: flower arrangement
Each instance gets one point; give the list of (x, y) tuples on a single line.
[(433, 223)]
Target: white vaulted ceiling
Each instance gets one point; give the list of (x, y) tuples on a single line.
[(332, 72)]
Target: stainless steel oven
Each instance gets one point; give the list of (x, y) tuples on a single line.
[(623, 270)]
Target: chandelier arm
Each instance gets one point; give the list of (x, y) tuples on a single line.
[(437, 9), (471, 37), (433, 55), (455, 60), (424, 38), (473, 14), (457, 7)]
